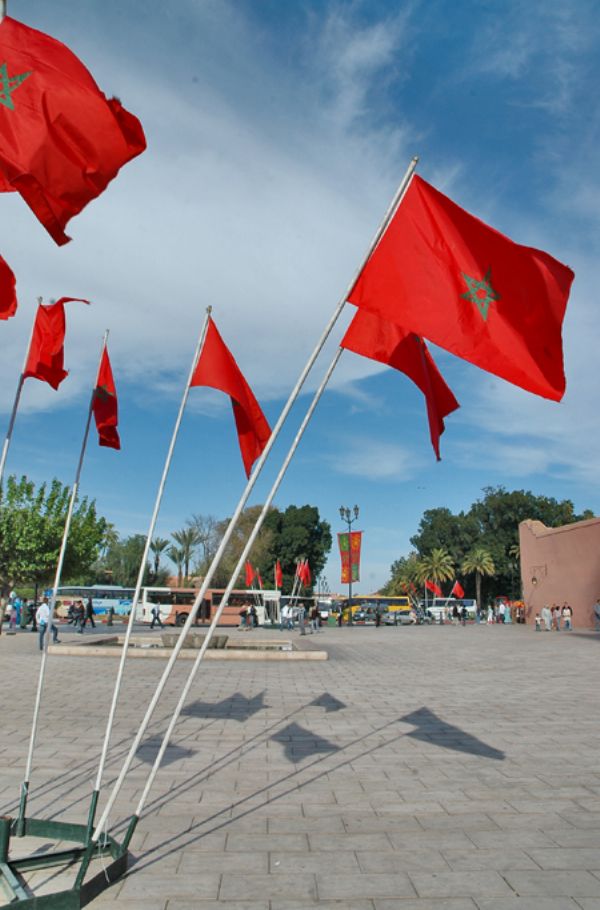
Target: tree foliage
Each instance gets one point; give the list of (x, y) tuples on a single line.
[(31, 528), (478, 562), (297, 533), (491, 523)]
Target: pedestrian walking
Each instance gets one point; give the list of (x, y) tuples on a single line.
[(301, 619), (314, 619), (155, 612), (567, 615), (538, 622), (597, 614), (547, 617), (43, 619), (556, 617), (88, 614), (253, 617)]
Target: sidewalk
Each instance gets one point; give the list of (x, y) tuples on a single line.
[(428, 768)]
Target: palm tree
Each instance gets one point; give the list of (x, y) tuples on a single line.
[(177, 555), (188, 539), (158, 546), (436, 566), (479, 561)]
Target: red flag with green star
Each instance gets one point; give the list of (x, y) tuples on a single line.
[(105, 405), (63, 141), (447, 276)]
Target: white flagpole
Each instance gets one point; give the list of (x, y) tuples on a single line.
[(142, 569), (244, 498), (13, 415), (250, 542), (59, 566)]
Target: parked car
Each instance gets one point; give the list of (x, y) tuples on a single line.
[(400, 618)]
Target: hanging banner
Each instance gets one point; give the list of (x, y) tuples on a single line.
[(349, 545)]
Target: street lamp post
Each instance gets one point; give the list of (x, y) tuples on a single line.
[(349, 517)]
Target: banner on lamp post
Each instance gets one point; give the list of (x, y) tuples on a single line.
[(349, 545)]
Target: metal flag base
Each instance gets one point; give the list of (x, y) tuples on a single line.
[(13, 890)]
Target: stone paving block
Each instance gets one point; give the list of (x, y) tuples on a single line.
[(344, 887), (402, 861), (450, 903), (499, 840), (241, 843), (469, 821), (199, 886), (177, 904), (327, 843), (223, 862), (259, 887), (529, 903), (474, 860), (567, 858), (319, 825), (322, 905), (552, 883), (460, 884), (327, 862)]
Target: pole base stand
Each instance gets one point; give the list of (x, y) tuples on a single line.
[(17, 895)]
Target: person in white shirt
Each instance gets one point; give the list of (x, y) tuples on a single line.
[(42, 617)]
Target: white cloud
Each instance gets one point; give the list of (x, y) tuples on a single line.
[(374, 459)]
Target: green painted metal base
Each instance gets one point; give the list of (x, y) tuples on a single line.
[(13, 889)]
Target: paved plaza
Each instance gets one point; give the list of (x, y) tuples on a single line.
[(429, 768)]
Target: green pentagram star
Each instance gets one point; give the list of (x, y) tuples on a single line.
[(481, 293), (8, 84), (103, 393)]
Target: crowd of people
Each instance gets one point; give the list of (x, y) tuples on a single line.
[(552, 618), (23, 613)]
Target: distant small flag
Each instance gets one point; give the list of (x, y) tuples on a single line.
[(45, 360), (105, 405), (457, 589), (249, 577), (435, 589), (278, 575)]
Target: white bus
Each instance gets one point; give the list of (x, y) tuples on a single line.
[(175, 604), (104, 598)]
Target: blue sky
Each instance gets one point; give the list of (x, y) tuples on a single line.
[(277, 135)]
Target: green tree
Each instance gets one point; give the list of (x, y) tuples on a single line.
[(436, 566), (439, 529), (297, 533), (404, 575), (31, 528), (120, 564), (236, 545), (207, 529), (177, 555), (478, 562), (158, 546), (187, 540)]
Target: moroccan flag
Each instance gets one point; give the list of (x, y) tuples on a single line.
[(376, 338), (46, 356), (278, 575), (8, 291), (63, 141), (431, 586), (104, 405), (259, 579), (445, 275), (457, 589), (217, 368), (249, 576)]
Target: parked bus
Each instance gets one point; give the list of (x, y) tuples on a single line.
[(384, 603), (441, 607), (175, 604), (104, 598)]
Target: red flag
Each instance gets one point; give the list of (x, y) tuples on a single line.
[(249, 578), (259, 579), (306, 578), (8, 291), (45, 360), (374, 337), (104, 405), (431, 586), (442, 273), (63, 141), (278, 575), (217, 368), (457, 589)]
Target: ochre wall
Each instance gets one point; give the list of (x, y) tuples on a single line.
[(565, 562)]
